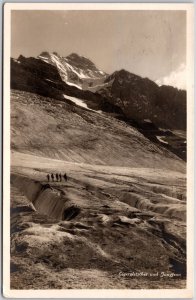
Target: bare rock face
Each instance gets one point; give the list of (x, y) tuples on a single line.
[(33, 75)]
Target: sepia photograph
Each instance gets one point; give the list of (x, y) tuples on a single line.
[(98, 134)]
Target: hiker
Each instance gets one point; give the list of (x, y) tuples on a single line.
[(48, 177), (57, 177), (52, 176), (60, 177), (65, 176)]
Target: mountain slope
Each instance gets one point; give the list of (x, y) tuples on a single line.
[(64, 131)]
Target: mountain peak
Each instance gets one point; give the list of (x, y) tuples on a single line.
[(21, 57), (122, 75), (125, 74), (55, 53), (74, 56), (80, 60), (75, 70), (122, 71), (44, 54)]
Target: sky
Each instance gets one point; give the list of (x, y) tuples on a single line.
[(147, 43)]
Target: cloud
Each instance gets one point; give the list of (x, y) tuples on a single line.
[(176, 78)]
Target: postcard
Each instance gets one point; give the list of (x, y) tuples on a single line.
[(98, 150)]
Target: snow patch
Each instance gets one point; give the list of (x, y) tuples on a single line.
[(43, 57), (161, 139), (80, 74), (80, 103), (50, 80), (73, 84), (163, 129), (17, 61)]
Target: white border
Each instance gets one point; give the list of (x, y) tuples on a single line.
[(101, 293), (98, 6)]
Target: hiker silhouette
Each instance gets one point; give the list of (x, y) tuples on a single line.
[(48, 177), (60, 177), (57, 177), (65, 176), (52, 176)]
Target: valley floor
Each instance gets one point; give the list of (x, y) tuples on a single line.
[(129, 230)]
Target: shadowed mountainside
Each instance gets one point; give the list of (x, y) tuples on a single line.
[(140, 98)]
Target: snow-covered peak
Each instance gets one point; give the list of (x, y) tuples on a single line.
[(75, 69), (82, 62)]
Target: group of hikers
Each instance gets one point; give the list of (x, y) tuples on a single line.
[(58, 177)]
